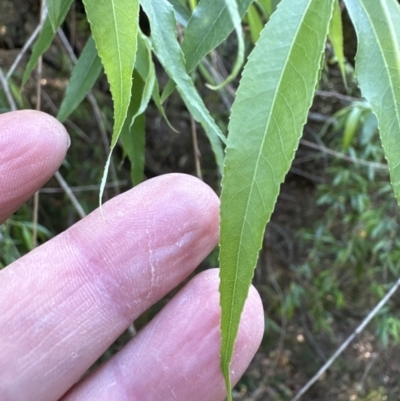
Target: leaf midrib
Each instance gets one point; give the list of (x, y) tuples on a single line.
[(119, 60), (208, 34), (257, 163), (396, 50)]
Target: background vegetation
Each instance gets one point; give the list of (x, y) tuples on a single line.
[(332, 248)]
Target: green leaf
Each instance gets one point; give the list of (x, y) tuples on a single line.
[(377, 24), (266, 123), (54, 13), (351, 126), (133, 131), (235, 17), (44, 40), (208, 27), (255, 23), (336, 38), (268, 5), (114, 27), (182, 14), (168, 51), (144, 62), (83, 76)]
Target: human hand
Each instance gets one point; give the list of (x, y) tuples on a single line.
[(63, 304)]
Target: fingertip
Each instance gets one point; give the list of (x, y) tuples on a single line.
[(32, 147), (36, 127)]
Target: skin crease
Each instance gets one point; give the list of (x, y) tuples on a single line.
[(64, 303)]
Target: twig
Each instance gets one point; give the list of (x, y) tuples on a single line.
[(95, 107), (23, 51), (346, 343), (70, 195), (68, 122), (311, 339), (82, 188), (308, 176), (336, 95), (196, 150), (372, 360), (7, 92), (378, 166), (318, 117)]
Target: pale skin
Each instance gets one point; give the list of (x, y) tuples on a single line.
[(63, 304)]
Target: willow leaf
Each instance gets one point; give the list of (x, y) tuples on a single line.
[(234, 15), (54, 12), (114, 27), (336, 38), (377, 24), (133, 131), (44, 39), (84, 75), (209, 25), (255, 23), (266, 123), (168, 51), (182, 14)]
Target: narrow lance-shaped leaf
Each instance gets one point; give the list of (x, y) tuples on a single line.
[(377, 24), (54, 13), (133, 131), (168, 51), (234, 15), (114, 27), (266, 123), (208, 27), (182, 14), (255, 23), (144, 61), (44, 40), (84, 75), (336, 38)]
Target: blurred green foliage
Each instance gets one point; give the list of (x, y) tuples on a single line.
[(354, 246)]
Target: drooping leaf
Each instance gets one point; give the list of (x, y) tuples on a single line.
[(182, 14), (209, 25), (114, 26), (54, 13), (134, 145), (268, 5), (336, 38), (377, 24), (44, 40), (83, 76), (351, 126), (144, 65), (133, 131), (168, 51), (255, 23), (235, 17), (266, 123)]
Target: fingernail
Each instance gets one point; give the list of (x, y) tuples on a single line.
[(68, 141)]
